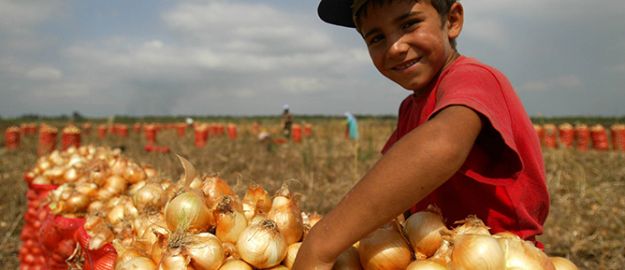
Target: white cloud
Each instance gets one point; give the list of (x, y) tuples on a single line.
[(44, 73), (302, 84), (17, 16), (559, 83)]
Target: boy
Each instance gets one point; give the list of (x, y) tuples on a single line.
[(463, 140)]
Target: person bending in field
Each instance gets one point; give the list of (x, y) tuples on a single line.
[(463, 140)]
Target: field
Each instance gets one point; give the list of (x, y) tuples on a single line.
[(586, 222)]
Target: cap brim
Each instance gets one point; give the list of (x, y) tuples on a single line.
[(337, 12)]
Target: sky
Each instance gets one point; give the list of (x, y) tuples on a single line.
[(251, 57)]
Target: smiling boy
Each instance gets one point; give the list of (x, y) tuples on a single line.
[(463, 140)]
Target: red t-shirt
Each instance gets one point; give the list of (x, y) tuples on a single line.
[(502, 181)]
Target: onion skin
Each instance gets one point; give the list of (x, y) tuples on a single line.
[(230, 221), (426, 265), (384, 249), (291, 254), (136, 263), (262, 245), (188, 212), (423, 231), (256, 200), (348, 260), (523, 255), (561, 263), (205, 251), (235, 264), (285, 212), (476, 251)]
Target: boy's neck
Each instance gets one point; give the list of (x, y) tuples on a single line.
[(452, 58)]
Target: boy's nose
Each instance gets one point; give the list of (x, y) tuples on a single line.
[(397, 47)]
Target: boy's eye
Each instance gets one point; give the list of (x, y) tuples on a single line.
[(375, 39), (409, 24)]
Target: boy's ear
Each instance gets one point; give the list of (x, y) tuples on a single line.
[(455, 20)]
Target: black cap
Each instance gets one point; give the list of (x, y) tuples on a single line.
[(337, 12)]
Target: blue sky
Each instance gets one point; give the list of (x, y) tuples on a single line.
[(250, 57)]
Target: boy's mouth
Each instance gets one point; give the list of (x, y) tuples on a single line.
[(405, 65)]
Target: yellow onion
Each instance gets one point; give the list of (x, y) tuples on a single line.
[(124, 253), (188, 212), (89, 189), (291, 253), (134, 173), (561, 263), (235, 264), (279, 267), (523, 255), (256, 200), (262, 245), (113, 185), (287, 215), (230, 249), (151, 197), (205, 251), (213, 188), (443, 254), (477, 251), (71, 174), (471, 225), (230, 221), (426, 265), (174, 260), (137, 263), (100, 235), (423, 231), (384, 248), (348, 260)]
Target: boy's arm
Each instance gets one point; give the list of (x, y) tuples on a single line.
[(415, 166)]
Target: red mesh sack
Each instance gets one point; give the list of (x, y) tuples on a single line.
[(99, 259), (56, 237)]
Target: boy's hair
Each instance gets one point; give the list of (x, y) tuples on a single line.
[(442, 7), (345, 12)]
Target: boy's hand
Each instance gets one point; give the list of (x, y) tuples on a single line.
[(309, 257)]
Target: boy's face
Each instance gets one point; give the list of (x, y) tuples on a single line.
[(407, 41)]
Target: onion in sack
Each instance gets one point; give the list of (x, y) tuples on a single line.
[(384, 248), (256, 200), (230, 221), (188, 210), (287, 215), (523, 255), (262, 245), (205, 251), (426, 265), (561, 263), (423, 231), (476, 251)]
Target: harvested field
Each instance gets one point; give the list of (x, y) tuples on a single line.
[(586, 222)]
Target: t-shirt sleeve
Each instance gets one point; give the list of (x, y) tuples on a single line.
[(494, 159)]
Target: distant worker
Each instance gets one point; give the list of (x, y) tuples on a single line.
[(351, 130), (287, 121)]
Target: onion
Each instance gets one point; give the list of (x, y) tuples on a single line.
[(291, 254), (384, 248), (471, 225), (426, 265), (476, 251), (137, 263), (561, 263), (523, 255), (188, 212), (230, 222), (113, 185), (134, 173), (213, 188), (287, 215), (205, 251), (174, 260), (443, 254), (235, 264), (423, 231), (256, 200), (150, 198), (262, 245), (348, 260)]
